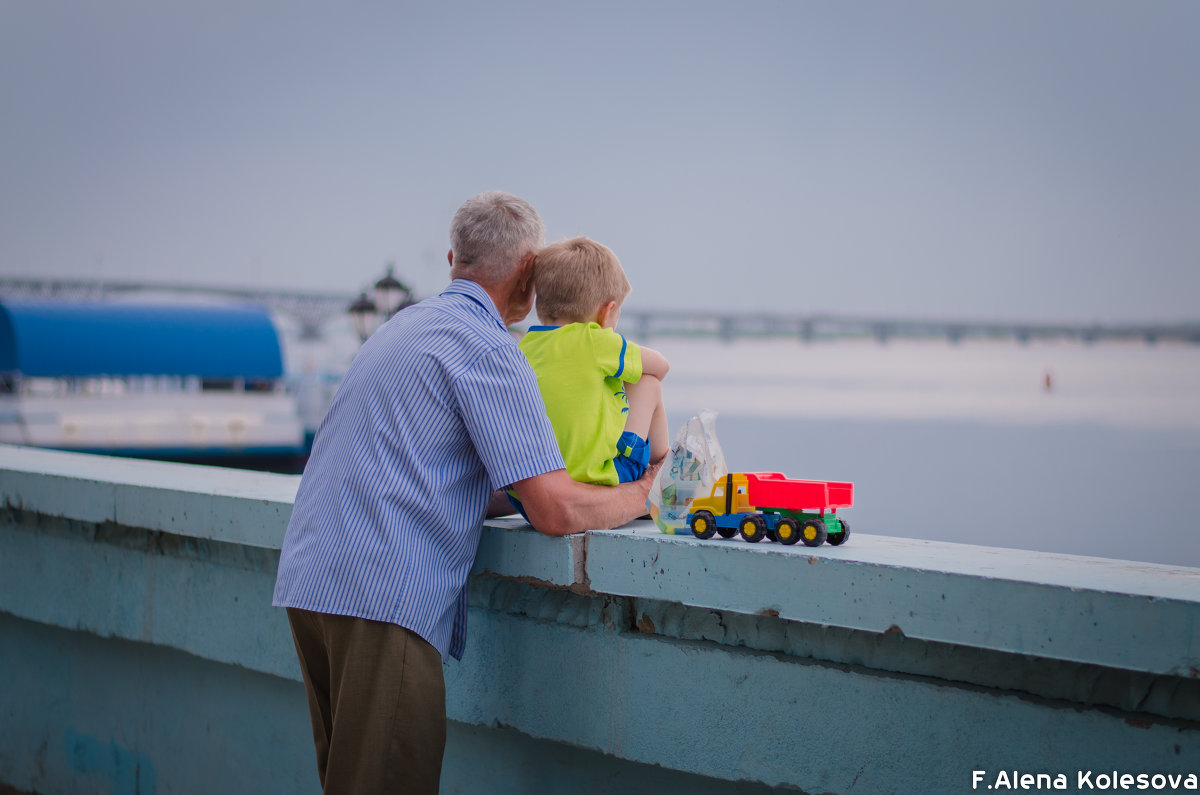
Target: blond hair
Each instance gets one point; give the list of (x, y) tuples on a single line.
[(574, 278)]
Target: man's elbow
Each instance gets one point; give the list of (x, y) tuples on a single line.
[(555, 522)]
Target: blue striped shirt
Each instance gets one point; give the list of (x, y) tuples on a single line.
[(438, 409)]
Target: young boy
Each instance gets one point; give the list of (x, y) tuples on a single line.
[(603, 393)]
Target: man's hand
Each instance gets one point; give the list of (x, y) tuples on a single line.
[(647, 479)]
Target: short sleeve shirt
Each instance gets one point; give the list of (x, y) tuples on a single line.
[(581, 371), (438, 409)]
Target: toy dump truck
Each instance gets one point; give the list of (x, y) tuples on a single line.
[(770, 505)]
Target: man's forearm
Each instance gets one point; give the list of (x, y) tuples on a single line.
[(559, 506), (595, 507)]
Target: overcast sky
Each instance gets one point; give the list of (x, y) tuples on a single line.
[(1025, 159)]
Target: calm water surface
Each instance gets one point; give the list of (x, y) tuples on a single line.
[(968, 443)]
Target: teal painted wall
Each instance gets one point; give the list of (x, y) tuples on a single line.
[(139, 653), (85, 714)]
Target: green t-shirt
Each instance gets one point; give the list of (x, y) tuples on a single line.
[(582, 370)]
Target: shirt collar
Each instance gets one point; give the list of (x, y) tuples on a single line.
[(589, 324), (476, 293)]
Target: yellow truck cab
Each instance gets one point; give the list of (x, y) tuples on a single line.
[(729, 495)]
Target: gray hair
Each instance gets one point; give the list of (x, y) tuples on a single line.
[(491, 232)]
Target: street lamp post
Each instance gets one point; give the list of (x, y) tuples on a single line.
[(364, 316), (391, 295)]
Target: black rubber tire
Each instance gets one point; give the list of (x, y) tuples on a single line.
[(813, 533), (753, 528), (837, 539), (703, 524), (787, 532)]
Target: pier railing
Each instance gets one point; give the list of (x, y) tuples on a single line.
[(140, 653), (313, 308)]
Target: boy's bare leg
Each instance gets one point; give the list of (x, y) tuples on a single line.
[(659, 438), (647, 416)]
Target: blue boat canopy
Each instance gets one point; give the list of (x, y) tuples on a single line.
[(59, 339)]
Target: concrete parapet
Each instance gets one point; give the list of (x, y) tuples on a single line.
[(140, 653)]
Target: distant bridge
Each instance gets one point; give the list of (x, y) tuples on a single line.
[(312, 309), (728, 326)]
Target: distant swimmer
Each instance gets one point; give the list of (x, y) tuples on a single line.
[(1048, 381)]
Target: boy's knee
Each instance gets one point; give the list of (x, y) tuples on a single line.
[(648, 386)]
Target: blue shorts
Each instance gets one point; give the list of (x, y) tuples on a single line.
[(631, 460), (633, 456)]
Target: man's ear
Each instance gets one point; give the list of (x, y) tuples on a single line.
[(526, 270), (450, 257)]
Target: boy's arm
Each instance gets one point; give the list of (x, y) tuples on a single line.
[(559, 506), (654, 363)]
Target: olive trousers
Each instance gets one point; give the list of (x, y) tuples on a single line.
[(377, 700)]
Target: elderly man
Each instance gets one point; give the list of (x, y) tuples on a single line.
[(438, 411)]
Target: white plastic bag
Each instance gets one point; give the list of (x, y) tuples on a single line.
[(693, 464)]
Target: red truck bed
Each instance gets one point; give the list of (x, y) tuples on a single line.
[(775, 490)]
